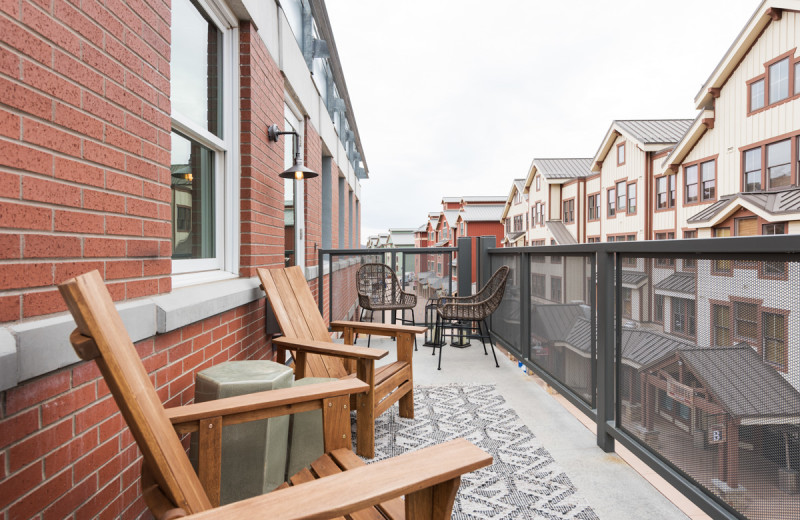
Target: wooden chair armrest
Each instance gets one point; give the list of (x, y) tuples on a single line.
[(261, 405), (329, 349), (409, 474), (376, 329)]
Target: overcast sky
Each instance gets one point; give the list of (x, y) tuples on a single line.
[(456, 97)]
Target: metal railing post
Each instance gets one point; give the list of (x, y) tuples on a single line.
[(464, 266), (320, 278), (605, 347), (524, 305)]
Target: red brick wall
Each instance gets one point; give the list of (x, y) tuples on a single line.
[(261, 206), (84, 159), (65, 444)]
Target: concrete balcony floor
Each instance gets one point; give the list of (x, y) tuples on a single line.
[(615, 485)]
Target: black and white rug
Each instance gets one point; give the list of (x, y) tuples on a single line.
[(523, 482)]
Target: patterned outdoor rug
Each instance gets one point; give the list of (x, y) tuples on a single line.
[(523, 482)]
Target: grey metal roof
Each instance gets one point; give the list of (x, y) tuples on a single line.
[(639, 346), (564, 168), (403, 239), (633, 277), (451, 199), (482, 212), (679, 282), (442, 243), (772, 202), (655, 131), (742, 383), (520, 185), (423, 227), (485, 198), (560, 232), (553, 322), (451, 215)]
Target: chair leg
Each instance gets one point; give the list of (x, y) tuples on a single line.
[(413, 321), (483, 340), (489, 335), (441, 340)]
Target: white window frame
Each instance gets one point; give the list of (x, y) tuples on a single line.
[(293, 114), (225, 264)]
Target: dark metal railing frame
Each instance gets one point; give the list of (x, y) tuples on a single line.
[(607, 258), (330, 253)]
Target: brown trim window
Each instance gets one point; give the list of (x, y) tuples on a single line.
[(620, 154), (721, 314), (658, 308), (779, 81), (776, 85), (690, 184), (745, 316), (555, 289), (555, 259), (631, 198), (752, 169), (773, 337), (593, 207), (620, 196), (538, 183), (541, 214), (684, 321), (665, 192), (757, 94), (779, 164), (569, 211), (612, 200), (708, 180)]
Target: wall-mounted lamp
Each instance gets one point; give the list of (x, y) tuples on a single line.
[(296, 171)]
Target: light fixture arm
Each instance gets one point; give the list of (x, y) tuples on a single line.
[(298, 171)]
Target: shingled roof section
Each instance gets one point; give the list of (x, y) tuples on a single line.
[(564, 168), (655, 131)]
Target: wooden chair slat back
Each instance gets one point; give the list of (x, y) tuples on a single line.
[(94, 312), (298, 316)]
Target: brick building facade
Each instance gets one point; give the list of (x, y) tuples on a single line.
[(97, 104)]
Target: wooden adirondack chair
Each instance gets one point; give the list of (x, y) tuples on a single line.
[(315, 354), (428, 478)]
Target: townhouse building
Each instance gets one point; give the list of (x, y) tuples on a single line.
[(136, 140), (515, 216)]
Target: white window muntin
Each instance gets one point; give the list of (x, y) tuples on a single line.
[(226, 163)]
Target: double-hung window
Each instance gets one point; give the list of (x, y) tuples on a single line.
[(752, 170), (593, 207), (683, 317), (779, 80), (690, 186), (203, 168), (779, 164), (757, 95), (631, 198), (612, 196)]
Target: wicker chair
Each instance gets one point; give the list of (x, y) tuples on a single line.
[(380, 290), (468, 313)]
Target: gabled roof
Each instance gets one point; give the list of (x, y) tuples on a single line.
[(513, 237), (482, 213), (517, 186), (560, 232), (445, 200), (742, 383), (766, 12), (651, 135), (771, 206), (634, 278), (553, 322), (558, 171), (450, 216), (422, 228)]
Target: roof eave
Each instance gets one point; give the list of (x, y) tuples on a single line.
[(693, 134), (739, 48)]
